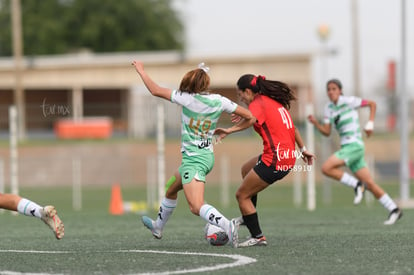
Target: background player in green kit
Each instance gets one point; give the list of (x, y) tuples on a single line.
[(200, 113), (341, 112)]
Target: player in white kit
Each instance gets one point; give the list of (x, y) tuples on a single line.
[(342, 113), (200, 113)]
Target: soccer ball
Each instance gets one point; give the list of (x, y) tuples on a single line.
[(215, 235)]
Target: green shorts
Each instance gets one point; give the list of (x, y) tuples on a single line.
[(196, 167), (353, 154)]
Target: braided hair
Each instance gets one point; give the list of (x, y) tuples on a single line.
[(276, 90)]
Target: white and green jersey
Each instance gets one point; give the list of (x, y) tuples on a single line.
[(199, 116), (344, 116)]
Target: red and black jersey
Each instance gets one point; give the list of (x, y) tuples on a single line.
[(274, 124)]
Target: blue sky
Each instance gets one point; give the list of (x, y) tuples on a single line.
[(228, 27)]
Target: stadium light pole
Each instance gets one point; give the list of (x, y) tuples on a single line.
[(404, 100), (355, 48)]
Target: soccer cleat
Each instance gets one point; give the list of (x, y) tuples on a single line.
[(240, 221), (49, 216), (359, 192), (233, 232), (149, 223), (254, 242), (394, 216)]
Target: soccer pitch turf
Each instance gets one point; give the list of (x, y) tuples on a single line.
[(336, 238)]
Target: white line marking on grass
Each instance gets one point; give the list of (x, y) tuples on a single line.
[(38, 251), (6, 272), (240, 260)]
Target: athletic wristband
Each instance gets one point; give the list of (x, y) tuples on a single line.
[(303, 149), (369, 126)]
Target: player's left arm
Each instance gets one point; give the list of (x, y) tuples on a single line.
[(369, 127), (246, 120)]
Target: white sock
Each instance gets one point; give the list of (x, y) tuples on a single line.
[(29, 208), (387, 202), (166, 209), (211, 215), (349, 180)]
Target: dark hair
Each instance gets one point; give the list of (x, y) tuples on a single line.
[(195, 81), (334, 81), (276, 90)]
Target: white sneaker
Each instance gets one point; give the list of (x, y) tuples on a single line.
[(49, 216), (149, 223), (394, 216), (233, 232), (359, 192), (254, 242)]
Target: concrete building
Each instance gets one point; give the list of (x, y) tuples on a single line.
[(77, 87)]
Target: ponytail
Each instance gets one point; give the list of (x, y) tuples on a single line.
[(276, 90)]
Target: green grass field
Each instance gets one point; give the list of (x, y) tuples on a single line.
[(338, 238)]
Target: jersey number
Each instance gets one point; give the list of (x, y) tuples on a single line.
[(195, 125), (285, 117)]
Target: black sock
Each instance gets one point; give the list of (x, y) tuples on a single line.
[(252, 223), (254, 200)]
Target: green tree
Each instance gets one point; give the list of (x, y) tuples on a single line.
[(62, 26)]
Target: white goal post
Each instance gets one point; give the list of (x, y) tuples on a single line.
[(14, 181), (310, 143)]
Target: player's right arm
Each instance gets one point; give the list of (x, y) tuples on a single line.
[(153, 87), (325, 128)]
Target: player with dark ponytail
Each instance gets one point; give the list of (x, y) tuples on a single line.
[(269, 101), (274, 89)]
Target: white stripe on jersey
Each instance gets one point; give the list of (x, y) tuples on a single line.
[(199, 116), (344, 116)]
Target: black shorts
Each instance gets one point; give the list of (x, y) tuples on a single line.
[(267, 173)]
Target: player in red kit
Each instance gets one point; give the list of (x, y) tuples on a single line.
[(278, 133), (268, 101)]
